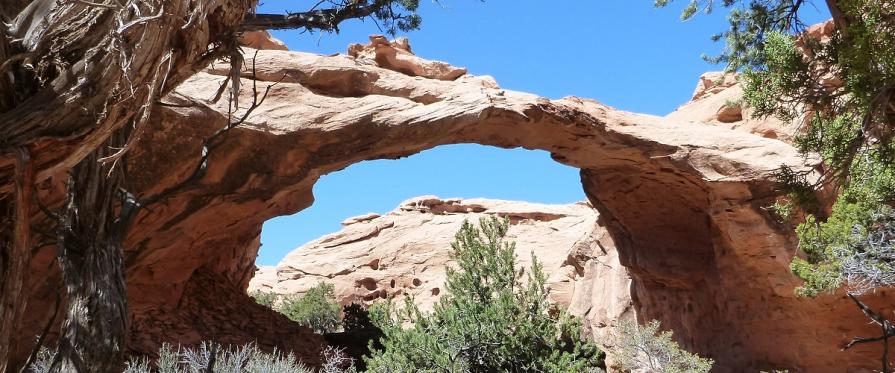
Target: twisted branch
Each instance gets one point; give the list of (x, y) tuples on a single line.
[(322, 19), (887, 328)]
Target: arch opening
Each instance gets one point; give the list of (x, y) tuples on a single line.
[(448, 171)]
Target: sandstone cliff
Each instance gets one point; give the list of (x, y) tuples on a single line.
[(681, 200), (406, 251), (717, 100)]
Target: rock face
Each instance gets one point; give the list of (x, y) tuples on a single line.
[(717, 101), (682, 201), (261, 40), (397, 55), (406, 252)]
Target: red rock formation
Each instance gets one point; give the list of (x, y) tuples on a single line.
[(683, 203)]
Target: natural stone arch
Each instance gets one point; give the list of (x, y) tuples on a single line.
[(682, 201)]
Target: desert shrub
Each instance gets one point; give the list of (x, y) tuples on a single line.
[(489, 319), (358, 336), (857, 245), (645, 347), (335, 360), (315, 308), (264, 298), (246, 358)]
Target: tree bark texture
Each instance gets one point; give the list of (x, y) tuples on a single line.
[(15, 258), (90, 254), (78, 80), (71, 74), (838, 17), (82, 69)]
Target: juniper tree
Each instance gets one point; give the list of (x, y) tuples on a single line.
[(646, 347), (488, 320), (315, 308)]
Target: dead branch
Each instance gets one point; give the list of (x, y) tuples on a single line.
[(888, 330), (212, 142), (321, 19)]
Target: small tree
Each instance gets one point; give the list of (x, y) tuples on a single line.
[(489, 320), (315, 308), (264, 298), (644, 347)]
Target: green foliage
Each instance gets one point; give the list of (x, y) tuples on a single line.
[(489, 319), (399, 15), (852, 246), (315, 308), (844, 85), (733, 104), (800, 191), (645, 347), (264, 298), (765, 89)]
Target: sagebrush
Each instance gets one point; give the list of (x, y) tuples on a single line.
[(639, 347)]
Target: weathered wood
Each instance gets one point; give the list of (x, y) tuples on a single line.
[(6, 84), (17, 258), (838, 16), (90, 255), (94, 66)]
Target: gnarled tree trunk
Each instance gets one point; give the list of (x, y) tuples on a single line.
[(14, 263), (90, 254), (72, 74), (80, 70)]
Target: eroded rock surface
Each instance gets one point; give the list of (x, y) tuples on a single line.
[(682, 201), (406, 251), (261, 40), (717, 101), (397, 55)]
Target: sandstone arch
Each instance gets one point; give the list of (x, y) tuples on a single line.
[(682, 202)]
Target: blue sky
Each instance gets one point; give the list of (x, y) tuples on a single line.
[(624, 53)]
